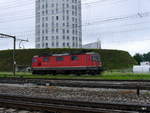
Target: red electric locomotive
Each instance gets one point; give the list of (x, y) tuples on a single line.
[(85, 63)]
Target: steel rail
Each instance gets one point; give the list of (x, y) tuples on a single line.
[(43, 81), (55, 79), (84, 83), (73, 106)]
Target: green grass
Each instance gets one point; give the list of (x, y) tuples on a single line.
[(126, 76), (105, 75)]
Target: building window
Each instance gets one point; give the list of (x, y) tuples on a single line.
[(64, 44), (63, 31), (46, 18), (67, 17), (38, 45), (43, 31), (46, 11), (46, 24), (52, 5), (46, 5), (43, 6), (53, 37), (46, 38), (67, 11), (52, 12), (68, 37), (52, 44), (57, 44), (57, 37), (52, 30), (56, 30), (43, 45), (63, 37), (67, 24), (57, 10), (46, 31), (73, 44), (42, 37), (68, 45), (57, 25), (42, 12), (57, 18)]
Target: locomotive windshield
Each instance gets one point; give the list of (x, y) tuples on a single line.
[(96, 58)]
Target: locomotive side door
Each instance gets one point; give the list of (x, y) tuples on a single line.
[(87, 61), (95, 60)]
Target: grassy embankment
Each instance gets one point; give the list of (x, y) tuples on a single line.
[(111, 59), (105, 75)]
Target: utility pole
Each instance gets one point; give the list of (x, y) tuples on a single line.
[(99, 44), (21, 40), (14, 50)]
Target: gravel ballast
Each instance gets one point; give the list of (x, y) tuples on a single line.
[(6, 110), (78, 94)]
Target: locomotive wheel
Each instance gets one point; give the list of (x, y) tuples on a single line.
[(54, 73), (93, 73), (34, 72)]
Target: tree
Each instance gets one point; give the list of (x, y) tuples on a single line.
[(146, 57), (138, 57)]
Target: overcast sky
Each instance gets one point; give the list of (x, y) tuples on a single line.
[(119, 24)]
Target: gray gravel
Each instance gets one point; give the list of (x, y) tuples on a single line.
[(78, 94), (6, 110)]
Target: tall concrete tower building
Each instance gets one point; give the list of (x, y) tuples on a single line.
[(58, 24)]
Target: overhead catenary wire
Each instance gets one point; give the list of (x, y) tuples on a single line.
[(134, 16), (106, 32), (33, 9), (83, 4), (97, 22), (28, 17), (96, 1), (21, 18)]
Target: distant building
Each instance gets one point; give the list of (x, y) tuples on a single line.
[(144, 67), (145, 63), (94, 45), (58, 24)]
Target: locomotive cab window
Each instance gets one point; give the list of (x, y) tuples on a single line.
[(95, 58), (46, 59), (73, 58), (34, 60), (59, 58)]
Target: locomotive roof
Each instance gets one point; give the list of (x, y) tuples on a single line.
[(66, 54)]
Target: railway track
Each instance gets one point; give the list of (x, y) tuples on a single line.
[(43, 81), (84, 83), (66, 106), (56, 79)]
